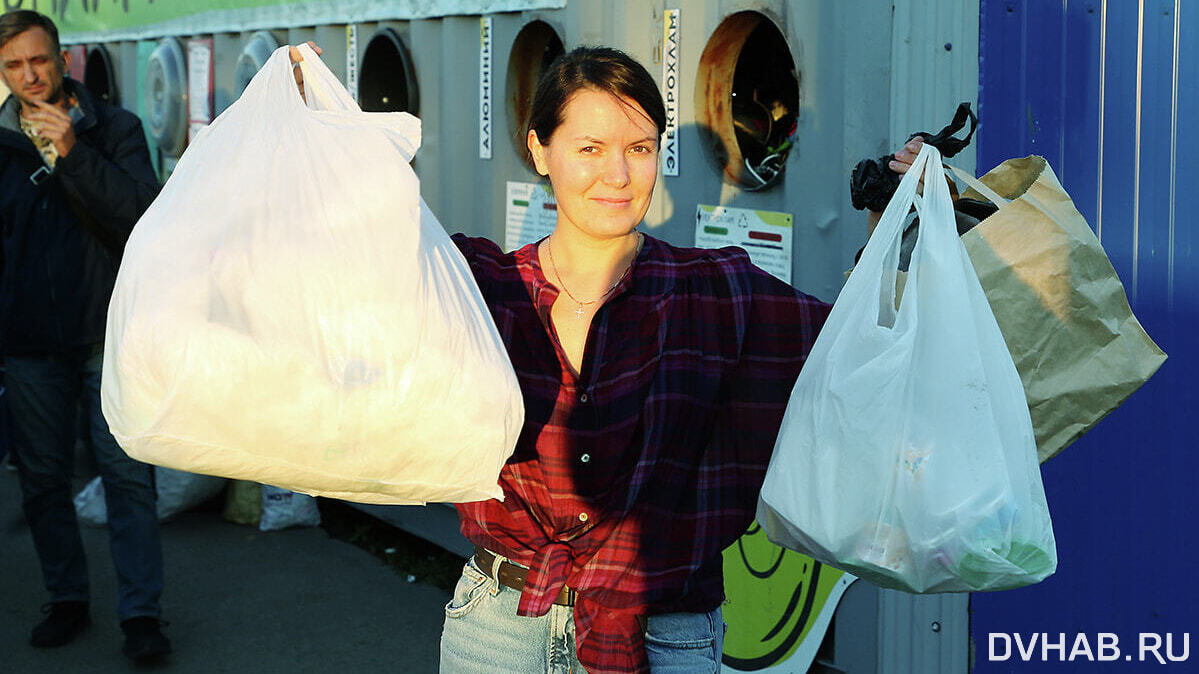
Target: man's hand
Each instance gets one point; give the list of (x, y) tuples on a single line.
[(54, 124)]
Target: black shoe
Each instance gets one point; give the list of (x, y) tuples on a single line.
[(64, 620), (144, 641)]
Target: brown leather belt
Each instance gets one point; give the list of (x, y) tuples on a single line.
[(513, 576)]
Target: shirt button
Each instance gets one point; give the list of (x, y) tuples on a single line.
[(583, 517), (583, 398), (586, 458)]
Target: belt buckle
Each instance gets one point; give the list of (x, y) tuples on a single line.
[(39, 176)]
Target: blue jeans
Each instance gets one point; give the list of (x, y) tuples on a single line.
[(483, 634), (43, 395)]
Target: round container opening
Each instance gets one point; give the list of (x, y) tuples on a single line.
[(747, 100), (386, 81), (256, 53), (535, 48), (98, 76), (166, 97)]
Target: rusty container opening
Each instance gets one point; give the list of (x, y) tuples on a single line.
[(535, 48), (747, 100)]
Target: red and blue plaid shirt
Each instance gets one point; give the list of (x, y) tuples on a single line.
[(629, 480)]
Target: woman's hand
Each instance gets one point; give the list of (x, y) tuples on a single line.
[(294, 52), (900, 164), (906, 156), (296, 57)]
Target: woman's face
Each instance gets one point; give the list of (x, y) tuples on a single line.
[(602, 162)]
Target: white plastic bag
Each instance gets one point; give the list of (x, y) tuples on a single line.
[(282, 509), (90, 508), (906, 455), (288, 311), (177, 492)]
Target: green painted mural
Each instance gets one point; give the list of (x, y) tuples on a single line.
[(779, 605), (75, 16)]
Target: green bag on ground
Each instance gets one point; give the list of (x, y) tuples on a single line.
[(243, 503)]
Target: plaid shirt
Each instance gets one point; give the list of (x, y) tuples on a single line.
[(629, 480)]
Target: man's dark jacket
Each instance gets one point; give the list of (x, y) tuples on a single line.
[(63, 236)]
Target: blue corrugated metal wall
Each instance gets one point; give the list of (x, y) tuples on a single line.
[(1107, 92)]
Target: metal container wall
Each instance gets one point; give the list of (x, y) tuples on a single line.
[(869, 74), (835, 130), (843, 53), (1106, 92)]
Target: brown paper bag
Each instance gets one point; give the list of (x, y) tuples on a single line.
[(1062, 309)]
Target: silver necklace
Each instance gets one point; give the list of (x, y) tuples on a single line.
[(579, 309)]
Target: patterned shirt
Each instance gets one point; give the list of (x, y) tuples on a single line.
[(630, 479), (45, 146)]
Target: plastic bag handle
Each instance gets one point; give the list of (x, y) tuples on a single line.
[(322, 89), (325, 94), (993, 196), (978, 186), (888, 232)]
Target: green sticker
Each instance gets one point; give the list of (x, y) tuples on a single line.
[(779, 604), (775, 218)]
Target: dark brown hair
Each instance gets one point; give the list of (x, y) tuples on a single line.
[(600, 68), (18, 21)]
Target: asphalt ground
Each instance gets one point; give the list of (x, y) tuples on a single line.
[(239, 600)]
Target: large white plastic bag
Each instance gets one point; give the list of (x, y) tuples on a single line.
[(283, 509), (906, 455), (288, 311)]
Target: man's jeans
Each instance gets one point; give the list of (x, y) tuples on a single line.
[(483, 634), (44, 392)]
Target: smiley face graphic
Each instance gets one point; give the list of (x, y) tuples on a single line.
[(779, 604)]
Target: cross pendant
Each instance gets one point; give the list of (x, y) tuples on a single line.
[(579, 311)]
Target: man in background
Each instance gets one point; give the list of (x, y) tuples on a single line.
[(75, 176)]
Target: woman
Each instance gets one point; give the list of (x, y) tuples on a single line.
[(654, 381)]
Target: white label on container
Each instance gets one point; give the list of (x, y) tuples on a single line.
[(485, 112), (199, 85), (352, 60), (530, 215), (670, 91), (765, 235)]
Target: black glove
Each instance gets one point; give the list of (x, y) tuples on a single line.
[(873, 182)]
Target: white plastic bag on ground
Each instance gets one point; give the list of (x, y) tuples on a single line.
[(90, 508), (906, 455), (282, 509), (288, 312), (177, 492)]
